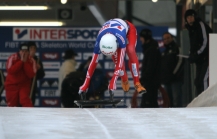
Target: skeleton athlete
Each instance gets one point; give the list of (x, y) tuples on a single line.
[(115, 38)]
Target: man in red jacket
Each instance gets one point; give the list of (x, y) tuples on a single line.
[(21, 68)]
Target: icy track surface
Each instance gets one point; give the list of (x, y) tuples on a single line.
[(108, 123)]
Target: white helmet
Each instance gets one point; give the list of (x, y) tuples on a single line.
[(108, 44)]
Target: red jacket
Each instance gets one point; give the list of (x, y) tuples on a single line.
[(19, 72)]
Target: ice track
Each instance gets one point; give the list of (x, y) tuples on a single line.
[(108, 123)]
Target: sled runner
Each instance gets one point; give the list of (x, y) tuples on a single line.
[(84, 102)]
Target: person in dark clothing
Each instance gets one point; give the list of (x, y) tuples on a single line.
[(84, 64), (40, 71), (171, 70), (199, 45), (150, 71), (70, 87)]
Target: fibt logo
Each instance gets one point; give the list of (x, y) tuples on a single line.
[(55, 34)]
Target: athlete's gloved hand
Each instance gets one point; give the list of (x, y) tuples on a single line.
[(83, 89)]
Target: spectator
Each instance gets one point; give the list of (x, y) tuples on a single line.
[(1, 84), (199, 48), (40, 70), (83, 66), (150, 71), (171, 72), (67, 66), (70, 88), (21, 68)]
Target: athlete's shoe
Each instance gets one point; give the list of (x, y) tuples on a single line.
[(139, 88), (125, 85)]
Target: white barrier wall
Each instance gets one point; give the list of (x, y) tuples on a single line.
[(212, 59), (206, 99)]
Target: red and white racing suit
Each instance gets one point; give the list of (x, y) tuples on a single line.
[(118, 58)]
